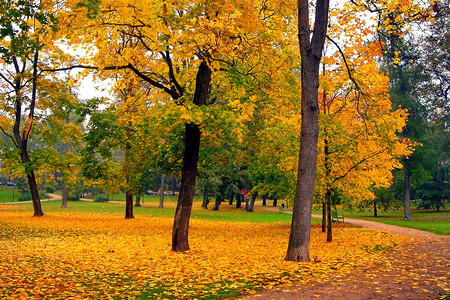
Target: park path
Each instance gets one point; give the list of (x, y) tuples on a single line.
[(419, 270)]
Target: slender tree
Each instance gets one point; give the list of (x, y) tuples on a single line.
[(22, 26), (311, 48)]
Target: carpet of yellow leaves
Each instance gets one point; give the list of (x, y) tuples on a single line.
[(99, 256)]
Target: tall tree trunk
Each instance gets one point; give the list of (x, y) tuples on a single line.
[(231, 198), (137, 203), (21, 141), (65, 188), (246, 203), (129, 205), (311, 53), (326, 150), (264, 200), (324, 216), (65, 194), (205, 198), (129, 192), (217, 203), (275, 202), (252, 202), (238, 200), (329, 218), (375, 211), (32, 184), (407, 193), (161, 191), (180, 233)]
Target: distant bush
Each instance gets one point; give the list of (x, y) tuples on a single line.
[(101, 198), (25, 196), (73, 197)]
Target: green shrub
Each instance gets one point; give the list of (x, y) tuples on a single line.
[(101, 198), (24, 196), (73, 197)]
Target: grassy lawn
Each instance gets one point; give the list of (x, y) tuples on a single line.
[(150, 198), (226, 212), (6, 194), (426, 220)]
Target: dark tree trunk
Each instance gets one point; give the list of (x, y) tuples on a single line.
[(275, 202), (180, 233), (137, 203), (161, 191), (31, 183), (311, 54), (129, 192), (407, 193), (264, 200), (238, 200), (231, 198), (65, 194), (21, 141), (252, 203), (129, 205), (324, 216), (375, 211), (329, 218), (246, 202), (65, 189), (217, 203), (205, 199)]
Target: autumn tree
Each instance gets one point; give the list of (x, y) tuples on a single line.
[(179, 48), (418, 84), (23, 25), (311, 47), (61, 131), (358, 140)]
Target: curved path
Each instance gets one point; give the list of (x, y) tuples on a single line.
[(419, 270)]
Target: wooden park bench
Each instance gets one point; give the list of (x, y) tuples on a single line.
[(335, 217)]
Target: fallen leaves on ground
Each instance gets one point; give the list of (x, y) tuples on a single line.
[(94, 255)]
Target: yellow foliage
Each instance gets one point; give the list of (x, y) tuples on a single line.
[(98, 256)]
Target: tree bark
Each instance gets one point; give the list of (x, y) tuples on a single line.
[(375, 211), (65, 189), (329, 218), (324, 216), (252, 202), (129, 205), (231, 198), (205, 198), (407, 193), (246, 203), (180, 233), (238, 200), (217, 203), (264, 200), (161, 191), (275, 202), (32, 184), (138, 201), (129, 191), (311, 53)]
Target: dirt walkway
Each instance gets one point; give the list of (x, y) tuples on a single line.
[(415, 271)]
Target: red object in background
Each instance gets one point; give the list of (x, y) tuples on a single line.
[(245, 192)]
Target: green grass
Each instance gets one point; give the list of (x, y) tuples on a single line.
[(150, 198), (226, 212), (426, 220), (7, 192)]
